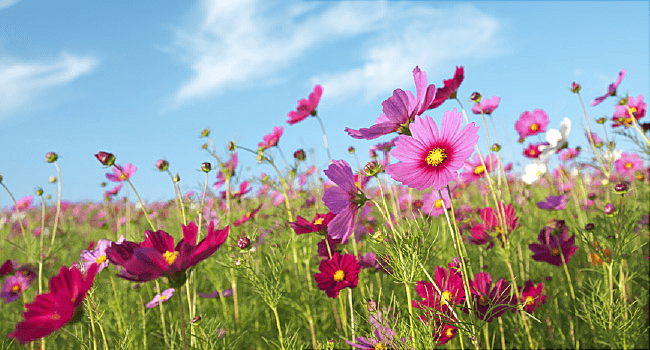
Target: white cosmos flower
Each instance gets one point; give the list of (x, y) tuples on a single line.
[(532, 172), (556, 140), (610, 156)]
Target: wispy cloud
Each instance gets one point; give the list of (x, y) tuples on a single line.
[(23, 81), (6, 3), (243, 42)]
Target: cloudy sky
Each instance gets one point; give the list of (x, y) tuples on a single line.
[(141, 79)]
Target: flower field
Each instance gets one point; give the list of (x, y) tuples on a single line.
[(436, 243)]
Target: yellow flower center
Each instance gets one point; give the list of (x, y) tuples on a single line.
[(380, 346), (163, 297), (555, 252), (438, 203), (632, 110), (534, 127), (170, 256), (339, 275), (628, 165), (122, 177), (483, 300), (15, 288), (449, 333), (318, 221), (101, 259), (436, 156), (530, 300), (479, 170), (446, 295), (56, 316)]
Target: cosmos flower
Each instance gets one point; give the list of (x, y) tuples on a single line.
[(532, 172), (337, 273), (490, 302), (215, 294), (627, 109), (23, 204), (531, 123), (306, 107), (448, 91), (98, 256), (491, 226), (319, 224), (272, 139), (13, 286), (159, 298), (227, 169), (555, 140), (532, 297), (7, 267), (432, 157), (247, 217), (450, 284), (120, 176), (628, 164), (433, 205), (344, 200), (473, 170), (569, 153), (488, 105), (553, 203), (384, 338), (51, 311), (243, 189), (399, 110), (552, 243), (112, 192), (533, 150), (611, 89), (157, 256)]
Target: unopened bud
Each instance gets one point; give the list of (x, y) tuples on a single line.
[(372, 168), (52, 179), (575, 87), (39, 191), (1, 178), (589, 226), (475, 97), (621, 188), (48, 197), (205, 132), (372, 306), (162, 164), (196, 320), (496, 147), (609, 209), (206, 167), (243, 242), (378, 236), (204, 146), (107, 159), (300, 155), (260, 157), (351, 149), (591, 196), (103, 184), (601, 120), (231, 146), (177, 178), (51, 157)]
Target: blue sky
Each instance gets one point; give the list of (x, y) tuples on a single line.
[(142, 79)]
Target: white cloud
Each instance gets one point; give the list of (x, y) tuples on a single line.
[(6, 3), (22, 81), (238, 43)]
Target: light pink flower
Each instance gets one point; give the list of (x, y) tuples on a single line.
[(531, 123), (628, 164), (159, 298), (488, 105), (120, 176), (611, 89)]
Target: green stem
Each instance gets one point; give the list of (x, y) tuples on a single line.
[(181, 314), (144, 324), (277, 323), (142, 207), (322, 128), (410, 304)]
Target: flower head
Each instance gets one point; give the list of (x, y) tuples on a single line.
[(531, 123), (227, 170), (344, 200), (553, 203), (487, 105), (98, 256), (319, 224), (384, 338), (555, 140), (121, 174), (474, 170), (490, 302), (13, 286), (159, 298), (450, 284), (433, 205), (628, 164), (431, 158), (632, 108), (449, 89), (306, 107), (553, 243), (51, 311), (337, 273), (611, 89), (271, 140), (532, 297)]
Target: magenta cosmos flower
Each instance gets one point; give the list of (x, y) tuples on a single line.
[(271, 140), (344, 200), (552, 244), (121, 174), (449, 89), (319, 224), (487, 105), (432, 157), (532, 297), (158, 257), (624, 113), (51, 311), (492, 227), (553, 203), (13, 287), (450, 284), (490, 302), (306, 107), (531, 123), (159, 298), (338, 273), (473, 170), (400, 109), (628, 164), (611, 89)]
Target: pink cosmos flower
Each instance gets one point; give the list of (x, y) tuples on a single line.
[(159, 298), (531, 123), (622, 111), (337, 273), (569, 153), (534, 150), (598, 142), (243, 189), (488, 105), (344, 200), (228, 169), (553, 203), (271, 140), (7, 267), (532, 296), (112, 192), (13, 287), (432, 157), (306, 107), (433, 205), (247, 217), (98, 256), (490, 302), (23, 203), (120, 176), (611, 89), (400, 109), (319, 224), (473, 170), (450, 284), (449, 89), (491, 226), (51, 311), (628, 164)]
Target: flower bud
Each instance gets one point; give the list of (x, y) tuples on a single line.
[(196, 320), (372, 306), (206, 167), (591, 196), (575, 87), (204, 146), (378, 236), (205, 132), (232, 146), (162, 164), (351, 149), (621, 188), (589, 226), (372, 168), (1, 178), (39, 191), (103, 184), (496, 147), (177, 178), (52, 179), (475, 97), (300, 155), (243, 242), (601, 120), (609, 209), (260, 157), (48, 197), (107, 159), (51, 157)]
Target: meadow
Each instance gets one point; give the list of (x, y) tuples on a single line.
[(432, 244)]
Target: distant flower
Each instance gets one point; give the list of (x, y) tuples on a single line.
[(227, 170), (569, 153), (443, 331), (632, 108), (23, 203), (432, 157), (159, 298), (384, 338), (449, 89), (611, 89), (490, 302), (157, 256), (121, 174), (98, 256), (112, 192), (474, 170), (215, 294), (13, 286), (531, 123), (532, 296), (344, 200), (450, 284), (598, 142), (51, 311), (553, 243), (306, 107), (556, 139), (488, 105), (243, 189), (319, 224), (337, 273), (247, 217), (7, 267), (628, 164), (533, 150), (400, 109), (272, 139), (433, 205), (553, 203)]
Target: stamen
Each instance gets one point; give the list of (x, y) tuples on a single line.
[(339, 275), (479, 170), (101, 259), (170, 256), (534, 127), (436, 156)]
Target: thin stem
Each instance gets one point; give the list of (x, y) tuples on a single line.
[(92, 324), (144, 324), (58, 205), (410, 304), (573, 298), (352, 313), (142, 207), (591, 140), (20, 219), (162, 314), (277, 323), (322, 128), (181, 314)]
